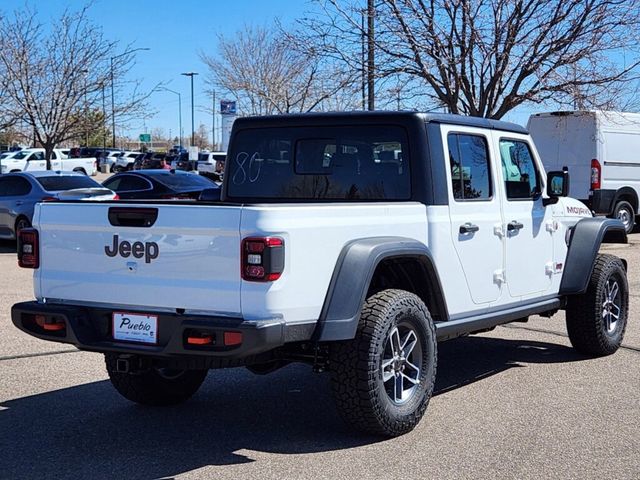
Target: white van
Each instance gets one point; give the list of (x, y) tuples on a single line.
[(602, 152)]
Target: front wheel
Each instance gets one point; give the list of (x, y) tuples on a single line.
[(382, 380), (155, 386), (597, 319)]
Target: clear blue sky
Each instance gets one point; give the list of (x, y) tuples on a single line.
[(176, 31)]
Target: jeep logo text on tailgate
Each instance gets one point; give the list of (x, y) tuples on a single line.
[(148, 250)]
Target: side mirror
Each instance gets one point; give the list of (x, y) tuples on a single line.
[(557, 185), (209, 195)]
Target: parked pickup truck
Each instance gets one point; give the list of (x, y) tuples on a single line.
[(353, 242), (33, 159)]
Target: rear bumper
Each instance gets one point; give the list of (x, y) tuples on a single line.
[(91, 329)]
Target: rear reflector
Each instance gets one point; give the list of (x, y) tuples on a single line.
[(204, 340), (232, 338), (28, 248), (51, 325), (262, 259)]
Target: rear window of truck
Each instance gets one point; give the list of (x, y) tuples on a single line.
[(322, 163)]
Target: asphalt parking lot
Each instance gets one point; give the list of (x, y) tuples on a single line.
[(514, 403)]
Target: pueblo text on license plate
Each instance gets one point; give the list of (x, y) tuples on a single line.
[(135, 327)]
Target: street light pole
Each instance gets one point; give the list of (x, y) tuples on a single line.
[(193, 127), (179, 111), (113, 96)]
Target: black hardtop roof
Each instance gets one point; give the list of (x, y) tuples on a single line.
[(346, 118)]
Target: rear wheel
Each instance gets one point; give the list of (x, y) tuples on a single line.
[(80, 170), (625, 212), (155, 386), (382, 380), (597, 319)]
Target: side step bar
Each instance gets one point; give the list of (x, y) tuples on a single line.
[(456, 328)]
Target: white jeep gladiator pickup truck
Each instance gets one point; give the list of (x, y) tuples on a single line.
[(353, 242), (33, 159)]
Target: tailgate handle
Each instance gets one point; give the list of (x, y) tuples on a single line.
[(132, 217)]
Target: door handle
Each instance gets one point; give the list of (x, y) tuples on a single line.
[(514, 226), (19, 202), (468, 228)]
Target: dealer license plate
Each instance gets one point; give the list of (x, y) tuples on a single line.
[(135, 327)]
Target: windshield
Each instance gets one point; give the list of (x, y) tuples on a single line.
[(21, 155), (321, 163), (184, 181), (67, 182)]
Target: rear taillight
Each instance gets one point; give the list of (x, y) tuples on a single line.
[(116, 197), (28, 248), (596, 174), (262, 259)]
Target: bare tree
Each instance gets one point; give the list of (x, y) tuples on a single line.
[(201, 137), (486, 57), (57, 76), (267, 74)]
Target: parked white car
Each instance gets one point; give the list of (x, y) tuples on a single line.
[(33, 159), (125, 161), (211, 163), (600, 149)]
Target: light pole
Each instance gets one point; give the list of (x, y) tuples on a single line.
[(193, 127), (113, 97), (179, 111), (86, 109)]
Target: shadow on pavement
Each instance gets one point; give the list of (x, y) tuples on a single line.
[(7, 246), (88, 431)]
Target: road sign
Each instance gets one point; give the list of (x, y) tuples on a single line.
[(145, 137)]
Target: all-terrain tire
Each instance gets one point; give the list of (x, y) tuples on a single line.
[(156, 387), (591, 323), (363, 398)]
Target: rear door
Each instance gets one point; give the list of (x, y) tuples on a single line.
[(474, 210), (14, 191), (56, 162), (144, 257)]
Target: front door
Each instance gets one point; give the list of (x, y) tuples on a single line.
[(474, 211), (528, 224)]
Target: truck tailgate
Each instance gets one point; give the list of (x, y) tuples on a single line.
[(150, 256)]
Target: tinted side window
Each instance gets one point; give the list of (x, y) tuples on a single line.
[(127, 183), (4, 186), (17, 186), (470, 172), (521, 178)]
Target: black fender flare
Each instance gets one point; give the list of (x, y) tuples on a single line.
[(352, 276), (586, 237)]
